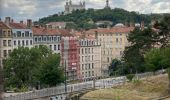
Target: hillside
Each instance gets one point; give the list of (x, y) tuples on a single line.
[(147, 89), (85, 19)]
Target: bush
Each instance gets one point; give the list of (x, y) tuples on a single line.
[(130, 77)]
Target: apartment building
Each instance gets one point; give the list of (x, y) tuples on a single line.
[(113, 42), (49, 37), (5, 42), (90, 59), (70, 57)]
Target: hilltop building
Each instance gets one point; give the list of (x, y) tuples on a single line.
[(107, 4), (69, 7)]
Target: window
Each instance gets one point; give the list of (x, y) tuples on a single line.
[(4, 43), (82, 66), (82, 51), (35, 39), (92, 65), (92, 50), (14, 42), (26, 42), (9, 33), (89, 50), (85, 50), (30, 34), (31, 42), (5, 53), (92, 57), (117, 40), (22, 34), (26, 33), (23, 42), (89, 66), (14, 34), (9, 51), (107, 59), (55, 48), (89, 74), (19, 43), (92, 73), (58, 47), (18, 33)]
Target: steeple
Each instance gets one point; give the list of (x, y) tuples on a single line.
[(107, 4)]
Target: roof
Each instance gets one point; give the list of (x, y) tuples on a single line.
[(18, 26), (43, 31), (3, 25), (57, 23), (111, 30), (46, 31)]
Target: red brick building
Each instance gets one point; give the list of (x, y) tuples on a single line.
[(70, 57)]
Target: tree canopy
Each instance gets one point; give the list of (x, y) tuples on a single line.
[(25, 67), (84, 18)]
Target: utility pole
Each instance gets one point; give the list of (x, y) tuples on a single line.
[(65, 77)]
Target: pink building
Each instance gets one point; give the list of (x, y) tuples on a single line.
[(70, 57)]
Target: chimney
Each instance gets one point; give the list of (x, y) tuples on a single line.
[(96, 35), (7, 20), (21, 22), (29, 23)]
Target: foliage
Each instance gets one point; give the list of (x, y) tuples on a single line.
[(164, 27), (50, 73), (82, 17), (23, 67), (157, 59), (130, 77)]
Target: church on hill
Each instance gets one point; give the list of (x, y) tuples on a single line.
[(69, 7)]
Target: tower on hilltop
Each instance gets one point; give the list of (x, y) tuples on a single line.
[(69, 7), (107, 4)]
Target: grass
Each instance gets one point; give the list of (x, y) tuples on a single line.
[(145, 89)]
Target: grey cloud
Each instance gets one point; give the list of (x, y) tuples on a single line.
[(158, 1), (22, 9)]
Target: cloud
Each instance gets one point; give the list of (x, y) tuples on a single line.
[(35, 9)]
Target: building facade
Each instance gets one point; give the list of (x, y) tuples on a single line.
[(90, 59), (70, 57), (69, 7), (5, 42), (113, 42), (48, 37)]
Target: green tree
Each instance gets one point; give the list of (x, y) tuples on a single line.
[(23, 67), (51, 73)]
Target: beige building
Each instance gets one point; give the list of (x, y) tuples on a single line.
[(113, 42), (5, 42), (90, 59)]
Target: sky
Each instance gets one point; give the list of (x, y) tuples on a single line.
[(35, 9)]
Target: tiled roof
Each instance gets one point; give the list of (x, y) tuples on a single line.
[(57, 23), (111, 30), (18, 26), (3, 25), (43, 31)]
